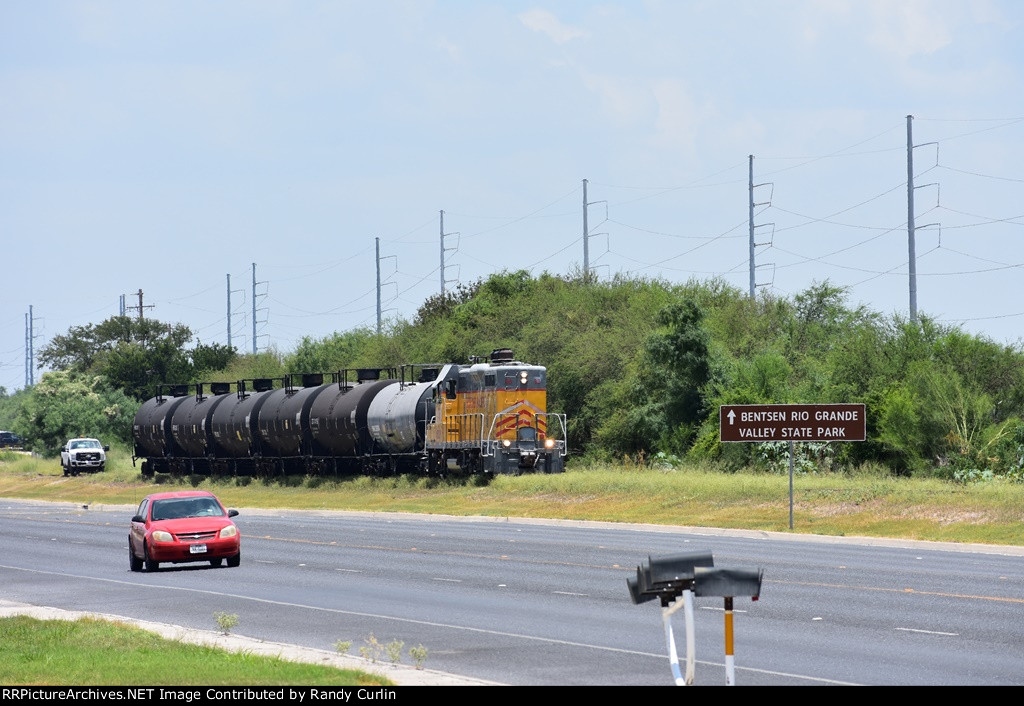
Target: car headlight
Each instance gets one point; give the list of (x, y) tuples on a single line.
[(162, 536), (229, 531)]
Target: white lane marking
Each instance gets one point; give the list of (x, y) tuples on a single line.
[(930, 632), (414, 621), (569, 593), (351, 571), (448, 580)]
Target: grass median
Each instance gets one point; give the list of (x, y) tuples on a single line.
[(868, 503)]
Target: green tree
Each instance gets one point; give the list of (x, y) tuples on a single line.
[(83, 348), (135, 355), (330, 353), (64, 404), (211, 357)]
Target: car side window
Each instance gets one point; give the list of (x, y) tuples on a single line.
[(142, 508)]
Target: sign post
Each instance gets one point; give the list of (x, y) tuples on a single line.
[(762, 423)]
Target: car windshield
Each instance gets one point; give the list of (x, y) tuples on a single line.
[(84, 444), (177, 508)]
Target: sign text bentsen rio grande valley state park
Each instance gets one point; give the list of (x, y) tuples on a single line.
[(792, 422)]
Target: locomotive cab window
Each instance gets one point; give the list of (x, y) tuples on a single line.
[(490, 380), (449, 389)]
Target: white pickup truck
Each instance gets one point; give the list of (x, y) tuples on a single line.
[(83, 454)]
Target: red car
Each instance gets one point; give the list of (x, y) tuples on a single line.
[(183, 526)]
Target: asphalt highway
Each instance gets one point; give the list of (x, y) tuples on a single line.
[(535, 602)]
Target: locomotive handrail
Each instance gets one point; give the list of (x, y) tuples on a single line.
[(449, 430), (490, 444)]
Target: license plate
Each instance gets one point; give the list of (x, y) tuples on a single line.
[(197, 548)]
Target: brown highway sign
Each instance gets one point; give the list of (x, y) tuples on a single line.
[(791, 422)]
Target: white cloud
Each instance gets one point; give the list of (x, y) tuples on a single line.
[(909, 27), (677, 121), (546, 23), (626, 101), (452, 50)]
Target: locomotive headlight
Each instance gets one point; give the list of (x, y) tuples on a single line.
[(523, 376), (506, 443), (549, 443)]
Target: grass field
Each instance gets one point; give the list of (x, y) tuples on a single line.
[(102, 653), (869, 503)]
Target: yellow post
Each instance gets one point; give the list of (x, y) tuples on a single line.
[(730, 669)]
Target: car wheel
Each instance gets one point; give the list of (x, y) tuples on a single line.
[(150, 564), (67, 472), (216, 562), (134, 562), (236, 559)]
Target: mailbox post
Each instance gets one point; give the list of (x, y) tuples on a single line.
[(667, 578), (728, 583), (687, 575)]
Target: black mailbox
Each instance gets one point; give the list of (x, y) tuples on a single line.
[(666, 577), (727, 582)]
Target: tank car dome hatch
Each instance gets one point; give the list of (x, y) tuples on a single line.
[(220, 388), (262, 384), (312, 379), (428, 374), (367, 374)]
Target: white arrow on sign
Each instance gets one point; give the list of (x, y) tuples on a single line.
[(731, 415)]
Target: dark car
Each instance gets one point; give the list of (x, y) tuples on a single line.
[(10, 440), (182, 526)]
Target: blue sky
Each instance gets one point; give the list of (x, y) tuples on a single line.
[(163, 146)]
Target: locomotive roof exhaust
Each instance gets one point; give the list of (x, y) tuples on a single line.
[(502, 355)]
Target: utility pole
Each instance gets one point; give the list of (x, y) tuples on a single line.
[(30, 378), (912, 261), (254, 309), (380, 311), (586, 236), (753, 244), (229, 311), (121, 308), (230, 291), (140, 307), (377, 244), (750, 219), (443, 250), (753, 227)]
